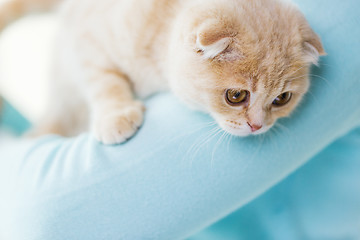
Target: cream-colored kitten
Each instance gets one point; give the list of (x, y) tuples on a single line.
[(244, 62)]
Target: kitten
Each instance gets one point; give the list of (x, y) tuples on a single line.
[(244, 62)]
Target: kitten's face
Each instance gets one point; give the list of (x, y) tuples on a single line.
[(245, 75), (246, 105), (243, 103)]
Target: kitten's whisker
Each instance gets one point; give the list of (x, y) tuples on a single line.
[(279, 125), (313, 96), (206, 142), (294, 78), (198, 144), (219, 130), (274, 132), (195, 143), (200, 137), (325, 80), (313, 76), (211, 123), (297, 77), (202, 126), (216, 146), (299, 69), (328, 65), (230, 137), (189, 133), (257, 149)]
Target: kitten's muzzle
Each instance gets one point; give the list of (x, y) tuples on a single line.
[(254, 127)]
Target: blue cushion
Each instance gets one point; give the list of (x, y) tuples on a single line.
[(319, 201), (176, 177), (11, 120)]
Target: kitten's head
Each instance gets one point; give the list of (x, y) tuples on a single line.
[(244, 62)]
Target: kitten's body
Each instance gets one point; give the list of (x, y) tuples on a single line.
[(103, 51), (128, 37), (109, 49)]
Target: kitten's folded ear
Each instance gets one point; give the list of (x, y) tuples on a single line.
[(312, 44), (214, 39)]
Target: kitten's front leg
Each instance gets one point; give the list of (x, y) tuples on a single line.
[(115, 114)]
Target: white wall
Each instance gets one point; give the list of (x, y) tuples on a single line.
[(25, 58)]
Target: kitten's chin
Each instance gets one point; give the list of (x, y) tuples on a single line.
[(241, 130), (236, 131)]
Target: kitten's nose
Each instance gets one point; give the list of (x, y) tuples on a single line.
[(254, 127)]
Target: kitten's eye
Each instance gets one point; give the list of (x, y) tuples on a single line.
[(282, 99), (236, 97)]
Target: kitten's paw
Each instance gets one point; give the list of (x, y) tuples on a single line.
[(118, 126)]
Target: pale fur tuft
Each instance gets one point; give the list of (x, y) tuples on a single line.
[(213, 50), (312, 45), (311, 54)]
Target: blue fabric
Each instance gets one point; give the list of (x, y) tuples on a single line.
[(320, 201), (11, 120), (173, 179)]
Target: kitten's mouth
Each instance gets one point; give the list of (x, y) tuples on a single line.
[(241, 130), (235, 129)]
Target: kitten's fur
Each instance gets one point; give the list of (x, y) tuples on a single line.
[(11, 10), (110, 49)]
